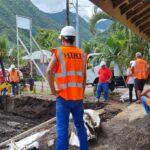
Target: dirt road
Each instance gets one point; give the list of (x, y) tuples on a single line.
[(120, 122)]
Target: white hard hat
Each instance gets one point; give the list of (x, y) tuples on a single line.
[(68, 31), (138, 54), (103, 63), (12, 66), (131, 62)]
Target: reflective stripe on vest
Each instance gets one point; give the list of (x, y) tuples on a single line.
[(70, 84), (70, 72), (64, 72), (148, 102)]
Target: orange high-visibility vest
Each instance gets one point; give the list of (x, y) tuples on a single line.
[(140, 69), (148, 102), (69, 74), (14, 76)]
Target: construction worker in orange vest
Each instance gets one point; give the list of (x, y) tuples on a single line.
[(140, 72), (14, 79), (68, 68)]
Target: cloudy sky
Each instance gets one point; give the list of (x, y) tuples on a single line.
[(53, 6)]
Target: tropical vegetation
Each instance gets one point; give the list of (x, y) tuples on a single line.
[(117, 44)]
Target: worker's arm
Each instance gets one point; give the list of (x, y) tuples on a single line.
[(84, 83), (109, 75), (85, 67), (133, 66), (129, 72), (145, 93), (50, 73)]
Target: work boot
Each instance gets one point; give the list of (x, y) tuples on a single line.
[(138, 102), (97, 100)]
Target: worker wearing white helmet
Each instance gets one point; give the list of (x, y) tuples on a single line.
[(12, 66), (103, 63), (14, 79), (68, 68), (130, 81), (103, 83), (140, 72)]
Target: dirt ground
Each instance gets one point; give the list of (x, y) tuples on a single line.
[(134, 136), (30, 111)]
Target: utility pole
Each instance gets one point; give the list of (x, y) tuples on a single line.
[(77, 25), (67, 13)]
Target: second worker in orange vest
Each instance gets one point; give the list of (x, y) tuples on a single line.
[(68, 67), (14, 79), (140, 72)]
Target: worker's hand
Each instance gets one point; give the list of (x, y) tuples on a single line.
[(56, 92), (108, 81)]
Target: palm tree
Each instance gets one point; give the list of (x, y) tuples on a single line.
[(96, 17), (133, 42), (2, 52)]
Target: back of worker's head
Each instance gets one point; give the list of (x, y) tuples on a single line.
[(68, 34), (138, 55)]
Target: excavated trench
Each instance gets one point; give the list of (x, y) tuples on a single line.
[(18, 114)]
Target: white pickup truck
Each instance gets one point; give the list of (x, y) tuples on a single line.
[(93, 66)]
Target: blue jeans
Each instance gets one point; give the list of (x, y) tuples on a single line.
[(63, 110), (102, 87), (144, 102), (4, 91), (15, 88)]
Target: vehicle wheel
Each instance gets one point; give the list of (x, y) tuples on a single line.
[(94, 89)]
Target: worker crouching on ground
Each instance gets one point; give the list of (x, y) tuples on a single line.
[(14, 79), (68, 65), (103, 83), (145, 98)]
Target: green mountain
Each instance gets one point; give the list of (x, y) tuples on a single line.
[(10, 8), (83, 25), (104, 25)]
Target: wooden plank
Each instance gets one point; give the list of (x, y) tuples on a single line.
[(138, 17), (145, 26), (146, 31), (118, 3), (143, 20), (130, 6), (28, 132), (136, 11)]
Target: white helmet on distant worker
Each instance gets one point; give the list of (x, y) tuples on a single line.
[(132, 62), (103, 63), (12, 66), (68, 31)]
